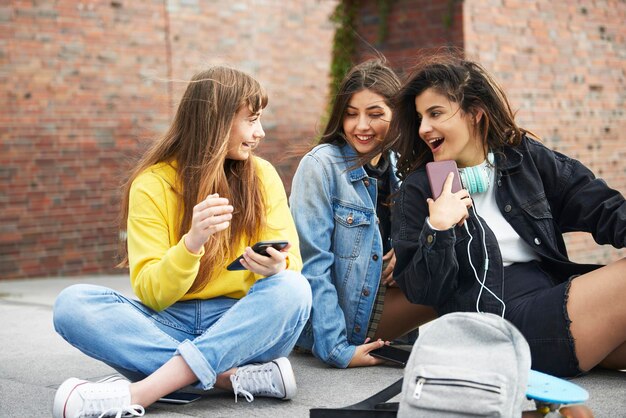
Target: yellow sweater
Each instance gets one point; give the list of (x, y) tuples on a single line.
[(162, 270)]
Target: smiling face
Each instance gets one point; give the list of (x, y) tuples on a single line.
[(448, 130), (245, 134), (366, 121)]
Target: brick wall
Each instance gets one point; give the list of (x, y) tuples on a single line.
[(85, 89), (562, 64), (411, 25)]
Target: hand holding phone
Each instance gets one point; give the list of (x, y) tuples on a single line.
[(437, 172), (259, 248), (450, 203), (393, 354)]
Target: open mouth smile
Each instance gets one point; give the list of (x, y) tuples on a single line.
[(364, 138), (435, 143)]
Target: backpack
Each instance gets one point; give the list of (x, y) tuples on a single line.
[(466, 364)]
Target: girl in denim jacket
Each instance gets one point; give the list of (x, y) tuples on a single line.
[(501, 249), (340, 207), (196, 200)]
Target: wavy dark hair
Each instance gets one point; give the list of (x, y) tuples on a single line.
[(463, 82), (374, 75)]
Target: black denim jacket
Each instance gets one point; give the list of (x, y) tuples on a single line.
[(540, 192)]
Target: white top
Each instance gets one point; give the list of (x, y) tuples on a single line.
[(512, 247)]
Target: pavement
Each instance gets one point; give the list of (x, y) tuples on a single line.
[(34, 361)]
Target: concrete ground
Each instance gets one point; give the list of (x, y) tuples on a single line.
[(34, 361)]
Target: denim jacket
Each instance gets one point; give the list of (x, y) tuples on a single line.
[(540, 192), (334, 207)]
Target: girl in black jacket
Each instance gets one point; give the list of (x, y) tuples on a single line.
[(496, 245)]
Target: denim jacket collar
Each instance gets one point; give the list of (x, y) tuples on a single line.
[(350, 158), (513, 158)]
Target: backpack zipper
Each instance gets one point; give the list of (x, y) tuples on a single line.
[(418, 387), (421, 381)]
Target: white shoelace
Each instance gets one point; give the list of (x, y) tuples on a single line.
[(257, 381), (133, 410), (92, 407)]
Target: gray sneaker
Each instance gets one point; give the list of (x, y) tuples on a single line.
[(274, 379), (109, 397)]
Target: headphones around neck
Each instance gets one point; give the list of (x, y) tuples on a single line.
[(476, 179)]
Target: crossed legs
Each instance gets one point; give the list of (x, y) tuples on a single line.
[(123, 334)]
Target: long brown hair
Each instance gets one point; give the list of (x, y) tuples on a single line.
[(463, 82), (197, 140), (372, 75)]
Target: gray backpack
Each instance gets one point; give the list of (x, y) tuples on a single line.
[(466, 364)]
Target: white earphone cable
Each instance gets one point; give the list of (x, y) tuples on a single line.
[(482, 282)]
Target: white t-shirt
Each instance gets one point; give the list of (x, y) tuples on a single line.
[(512, 247)]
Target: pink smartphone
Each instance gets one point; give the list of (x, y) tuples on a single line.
[(438, 171)]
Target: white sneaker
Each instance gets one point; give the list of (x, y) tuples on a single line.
[(274, 379), (109, 397)]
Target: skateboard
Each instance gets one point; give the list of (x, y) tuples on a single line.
[(553, 395)]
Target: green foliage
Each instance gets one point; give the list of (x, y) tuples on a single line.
[(384, 7), (344, 43), (447, 18)]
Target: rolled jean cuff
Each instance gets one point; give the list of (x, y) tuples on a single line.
[(197, 363)]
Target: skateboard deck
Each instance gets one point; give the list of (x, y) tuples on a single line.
[(545, 388)]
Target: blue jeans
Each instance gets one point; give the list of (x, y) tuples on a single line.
[(211, 335)]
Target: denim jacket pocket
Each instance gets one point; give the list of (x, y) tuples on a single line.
[(539, 213), (351, 223), (538, 207)]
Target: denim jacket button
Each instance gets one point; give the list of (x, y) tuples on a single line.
[(430, 239), (357, 329), (537, 241), (366, 182), (350, 219), (366, 292), (507, 208), (375, 257), (499, 182)]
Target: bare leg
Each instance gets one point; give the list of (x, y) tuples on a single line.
[(223, 380), (401, 316), (598, 314), (172, 376), (615, 360)]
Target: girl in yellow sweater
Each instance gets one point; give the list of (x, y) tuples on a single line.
[(197, 199)]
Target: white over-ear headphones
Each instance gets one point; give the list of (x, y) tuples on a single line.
[(476, 179)]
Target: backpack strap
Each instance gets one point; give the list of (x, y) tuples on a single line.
[(374, 406)]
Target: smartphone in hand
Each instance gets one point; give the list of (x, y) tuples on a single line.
[(438, 171), (393, 354), (259, 248)]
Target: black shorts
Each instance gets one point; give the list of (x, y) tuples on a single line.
[(536, 305)]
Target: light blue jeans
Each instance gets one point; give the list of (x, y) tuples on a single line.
[(211, 335)]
